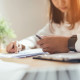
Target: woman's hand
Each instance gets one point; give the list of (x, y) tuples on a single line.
[(14, 47), (54, 44)]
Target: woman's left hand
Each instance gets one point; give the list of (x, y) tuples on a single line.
[(54, 44)]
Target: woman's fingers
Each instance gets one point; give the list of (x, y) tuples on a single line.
[(44, 46), (48, 50), (17, 47), (14, 47), (9, 47), (12, 51), (42, 41)]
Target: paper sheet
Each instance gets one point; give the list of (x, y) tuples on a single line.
[(22, 54)]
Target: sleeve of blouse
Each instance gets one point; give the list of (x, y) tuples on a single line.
[(31, 42), (77, 44)]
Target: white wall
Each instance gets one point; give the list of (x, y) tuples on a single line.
[(26, 16)]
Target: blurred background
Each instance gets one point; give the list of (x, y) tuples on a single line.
[(26, 16)]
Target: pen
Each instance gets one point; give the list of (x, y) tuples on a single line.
[(38, 37)]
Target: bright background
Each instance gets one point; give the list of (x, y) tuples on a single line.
[(26, 16)]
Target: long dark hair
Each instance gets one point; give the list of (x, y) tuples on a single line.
[(73, 16)]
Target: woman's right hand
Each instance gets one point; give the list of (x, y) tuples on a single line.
[(14, 47)]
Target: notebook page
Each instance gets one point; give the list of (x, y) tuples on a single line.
[(25, 53)]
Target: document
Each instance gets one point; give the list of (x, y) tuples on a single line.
[(24, 53)]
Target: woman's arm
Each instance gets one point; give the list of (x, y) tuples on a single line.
[(54, 44), (31, 42), (60, 44), (27, 43)]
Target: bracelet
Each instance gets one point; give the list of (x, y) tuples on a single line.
[(71, 43)]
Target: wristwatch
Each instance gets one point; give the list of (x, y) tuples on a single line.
[(71, 43)]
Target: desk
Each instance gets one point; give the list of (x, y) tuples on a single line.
[(48, 70)]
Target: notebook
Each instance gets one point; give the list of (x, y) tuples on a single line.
[(64, 57), (24, 53)]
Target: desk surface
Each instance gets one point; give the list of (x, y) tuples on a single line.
[(35, 63), (50, 74), (38, 71)]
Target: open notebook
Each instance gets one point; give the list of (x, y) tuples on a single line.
[(64, 57), (22, 54)]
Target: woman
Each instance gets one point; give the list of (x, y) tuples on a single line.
[(64, 17)]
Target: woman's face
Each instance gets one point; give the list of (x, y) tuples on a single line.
[(62, 5)]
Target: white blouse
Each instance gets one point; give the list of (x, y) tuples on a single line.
[(54, 29)]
